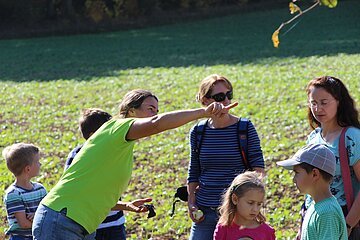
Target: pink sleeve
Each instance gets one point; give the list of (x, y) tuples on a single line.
[(271, 233), (219, 233)]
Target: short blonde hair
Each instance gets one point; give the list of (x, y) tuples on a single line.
[(18, 156), (207, 85), (240, 185)]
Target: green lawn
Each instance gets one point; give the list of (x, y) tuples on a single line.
[(45, 82)]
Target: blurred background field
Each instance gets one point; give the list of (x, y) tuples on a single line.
[(45, 82)]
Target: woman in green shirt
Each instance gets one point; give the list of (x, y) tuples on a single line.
[(101, 171)]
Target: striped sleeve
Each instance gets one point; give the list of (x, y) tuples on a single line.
[(255, 154), (71, 156), (328, 226), (194, 164), (13, 202)]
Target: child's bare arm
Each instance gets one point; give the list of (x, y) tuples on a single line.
[(30, 216), (133, 206), (23, 221)]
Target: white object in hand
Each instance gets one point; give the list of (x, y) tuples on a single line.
[(198, 214)]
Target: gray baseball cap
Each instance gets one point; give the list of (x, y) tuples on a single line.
[(316, 155)]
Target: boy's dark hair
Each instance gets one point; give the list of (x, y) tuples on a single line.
[(18, 156), (308, 168), (92, 119)]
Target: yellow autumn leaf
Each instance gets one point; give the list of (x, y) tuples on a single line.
[(275, 39), (293, 8), (329, 3)]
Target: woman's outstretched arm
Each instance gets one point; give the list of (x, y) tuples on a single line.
[(143, 127)]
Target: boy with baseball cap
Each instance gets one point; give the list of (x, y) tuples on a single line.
[(314, 167)]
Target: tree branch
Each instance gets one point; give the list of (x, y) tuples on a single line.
[(301, 13)]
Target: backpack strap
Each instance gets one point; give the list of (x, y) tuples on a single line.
[(242, 133), (345, 170), (199, 130), (242, 129)]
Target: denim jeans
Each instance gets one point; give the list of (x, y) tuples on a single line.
[(52, 225), (90, 236), (17, 237), (204, 230), (115, 232)]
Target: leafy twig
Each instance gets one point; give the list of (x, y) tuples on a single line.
[(275, 36)]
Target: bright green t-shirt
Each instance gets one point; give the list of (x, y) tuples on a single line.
[(324, 220), (99, 174)]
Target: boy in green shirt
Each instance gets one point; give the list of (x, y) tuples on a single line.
[(314, 167)]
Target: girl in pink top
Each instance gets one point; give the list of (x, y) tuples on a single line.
[(240, 216)]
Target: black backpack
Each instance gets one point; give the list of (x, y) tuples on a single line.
[(182, 194)]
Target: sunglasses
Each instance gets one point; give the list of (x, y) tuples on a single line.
[(219, 97)]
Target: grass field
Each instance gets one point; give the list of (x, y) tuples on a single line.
[(45, 82)]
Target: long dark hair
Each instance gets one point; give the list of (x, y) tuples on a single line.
[(347, 114)]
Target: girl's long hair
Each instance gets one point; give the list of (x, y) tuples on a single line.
[(241, 184), (347, 114)]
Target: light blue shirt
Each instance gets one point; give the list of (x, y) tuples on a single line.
[(324, 220), (352, 143)]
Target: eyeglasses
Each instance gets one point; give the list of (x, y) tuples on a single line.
[(219, 97), (322, 104)]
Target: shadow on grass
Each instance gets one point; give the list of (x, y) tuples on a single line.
[(243, 38)]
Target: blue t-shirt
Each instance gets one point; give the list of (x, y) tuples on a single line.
[(352, 143)]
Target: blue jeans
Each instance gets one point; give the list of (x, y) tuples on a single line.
[(17, 237), (115, 232), (204, 230), (52, 225)]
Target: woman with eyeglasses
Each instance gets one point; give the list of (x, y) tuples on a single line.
[(218, 158), (330, 109), (101, 171)]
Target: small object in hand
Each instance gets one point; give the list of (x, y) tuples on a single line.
[(198, 214), (151, 209)]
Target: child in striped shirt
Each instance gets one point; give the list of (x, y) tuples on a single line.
[(23, 196)]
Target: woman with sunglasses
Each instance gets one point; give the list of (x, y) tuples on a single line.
[(330, 109), (101, 171), (219, 160)]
